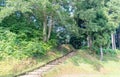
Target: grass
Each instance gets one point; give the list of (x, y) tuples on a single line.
[(87, 65), (13, 67)]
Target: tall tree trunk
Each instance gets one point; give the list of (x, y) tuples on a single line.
[(118, 40), (89, 41), (113, 41), (45, 28), (101, 53), (50, 27)]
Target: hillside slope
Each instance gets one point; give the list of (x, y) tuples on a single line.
[(87, 65)]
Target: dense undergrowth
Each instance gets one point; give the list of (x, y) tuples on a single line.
[(21, 39), (22, 47), (17, 55), (12, 46)]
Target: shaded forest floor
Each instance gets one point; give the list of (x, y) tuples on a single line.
[(87, 65)]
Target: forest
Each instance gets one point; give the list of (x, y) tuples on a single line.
[(34, 32)]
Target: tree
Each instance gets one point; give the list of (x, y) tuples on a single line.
[(114, 18), (98, 22), (10, 6), (89, 12), (49, 12)]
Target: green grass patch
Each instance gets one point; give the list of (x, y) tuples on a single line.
[(87, 65)]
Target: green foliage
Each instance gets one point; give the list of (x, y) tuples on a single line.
[(52, 43), (13, 5), (109, 51), (26, 29), (100, 18), (11, 46), (36, 48), (7, 42), (22, 37), (101, 40), (105, 51)]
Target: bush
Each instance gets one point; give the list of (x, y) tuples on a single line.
[(12, 46), (105, 51), (7, 43), (109, 51), (36, 48)]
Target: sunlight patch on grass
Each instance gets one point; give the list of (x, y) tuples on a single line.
[(12, 66), (86, 64)]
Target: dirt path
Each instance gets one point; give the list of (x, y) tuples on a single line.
[(39, 72)]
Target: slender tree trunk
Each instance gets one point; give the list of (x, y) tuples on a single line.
[(45, 28), (108, 45), (89, 41), (113, 41), (101, 53), (50, 27), (119, 40)]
